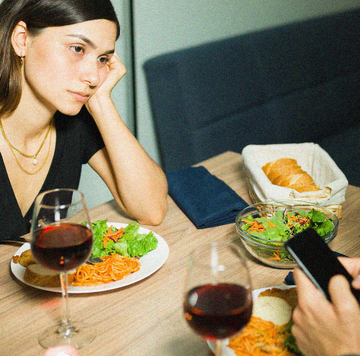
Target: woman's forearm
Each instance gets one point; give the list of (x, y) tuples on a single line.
[(138, 184)]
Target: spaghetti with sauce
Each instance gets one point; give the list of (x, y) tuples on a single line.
[(113, 268)]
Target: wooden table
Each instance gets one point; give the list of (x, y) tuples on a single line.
[(145, 319)]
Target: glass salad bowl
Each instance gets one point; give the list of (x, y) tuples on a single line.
[(264, 227)]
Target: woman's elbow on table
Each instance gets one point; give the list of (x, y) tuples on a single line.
[(148, 209), (155, 206), (154, 215)]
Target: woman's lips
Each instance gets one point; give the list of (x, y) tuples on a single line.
[(79, 96)]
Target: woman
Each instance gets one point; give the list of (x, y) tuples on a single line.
[(322, 328), (58, 67)]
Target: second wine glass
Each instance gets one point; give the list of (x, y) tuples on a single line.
[(61, 240), (218, 299)]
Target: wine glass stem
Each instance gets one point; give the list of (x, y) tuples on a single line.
[(65, 304), (219, 348)]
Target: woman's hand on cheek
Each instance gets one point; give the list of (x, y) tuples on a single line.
[(115, 71)]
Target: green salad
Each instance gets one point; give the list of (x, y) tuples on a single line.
[(282, 226), (290, 341), (127, 241)]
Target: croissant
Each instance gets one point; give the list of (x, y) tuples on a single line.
[(286, 172)]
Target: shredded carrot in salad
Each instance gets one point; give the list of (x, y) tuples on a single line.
[(271, 224), (257, 226), (114, 236), (292, 219), (277, 256), (113, 268), (254, 226), (296, 219), (260, 338)]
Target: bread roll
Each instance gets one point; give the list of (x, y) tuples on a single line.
[(276, 305), (274, 309), (285, 172), (38, 275), (25, 259), (278, 163)]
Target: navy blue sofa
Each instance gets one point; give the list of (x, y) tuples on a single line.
[(299, 82)]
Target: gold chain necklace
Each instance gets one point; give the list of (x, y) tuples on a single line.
[(34, 157)]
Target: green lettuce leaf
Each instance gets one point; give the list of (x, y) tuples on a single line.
[(99, 229), (131, 244)]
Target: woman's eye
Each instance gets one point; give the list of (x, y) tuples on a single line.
[(77, 49), (104, 60)]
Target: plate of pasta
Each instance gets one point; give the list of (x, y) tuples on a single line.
[(268, 332), (140, 268)]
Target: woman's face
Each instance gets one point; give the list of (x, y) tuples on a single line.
[(64, 66)]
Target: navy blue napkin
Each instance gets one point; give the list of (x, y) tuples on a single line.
[(289, 279), (206, 200)]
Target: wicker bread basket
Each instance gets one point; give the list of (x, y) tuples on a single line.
[(335, 208), (312, 158)]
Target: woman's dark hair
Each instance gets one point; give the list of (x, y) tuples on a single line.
[(39, 14)]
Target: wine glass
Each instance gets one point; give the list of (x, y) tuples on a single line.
[(218, 299), (61, 240)]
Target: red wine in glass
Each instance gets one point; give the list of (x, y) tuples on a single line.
[(217, 311), (62, 247), (61, 240), (217, 297)]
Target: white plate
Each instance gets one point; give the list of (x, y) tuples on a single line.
[(255, 293), (150, 263)]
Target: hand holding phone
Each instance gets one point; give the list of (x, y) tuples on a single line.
[(317, 260)]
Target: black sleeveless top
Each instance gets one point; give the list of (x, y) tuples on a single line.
[(77, 140)]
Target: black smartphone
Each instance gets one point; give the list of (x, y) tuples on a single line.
[(317, 260)]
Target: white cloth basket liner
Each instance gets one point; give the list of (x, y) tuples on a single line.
[(312, 159)]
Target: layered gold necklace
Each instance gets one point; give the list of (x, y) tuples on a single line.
[(34, 156)]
